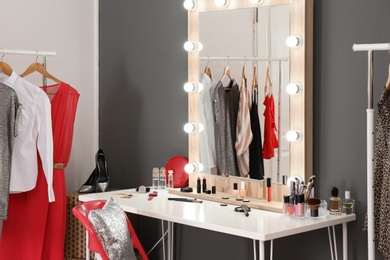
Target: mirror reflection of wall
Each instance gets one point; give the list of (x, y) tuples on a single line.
[(246, 38)]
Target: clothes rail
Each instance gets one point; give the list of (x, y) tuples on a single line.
[(28, 52), (239, 58), (370, 48)]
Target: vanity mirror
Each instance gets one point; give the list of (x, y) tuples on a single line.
[(287, 64)]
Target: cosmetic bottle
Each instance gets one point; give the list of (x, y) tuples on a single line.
[(269, 189), (163, 181), (243, 192), (235, 190), (260, 189), (170, 178), (156, 176), (291, 206), (300, 206), (198, 186), (204, 184), (347, 204), (334, 202), (286, 200)]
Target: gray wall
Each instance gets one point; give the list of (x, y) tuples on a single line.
[(143, 108)]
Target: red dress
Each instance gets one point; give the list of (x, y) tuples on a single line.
[(35, 229), (270, 139)]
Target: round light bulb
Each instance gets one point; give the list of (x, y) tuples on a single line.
[(192, 87), (189, 4), (200, 46), (193, 167), (189, 46), (294, 88), (294, 136), (221, 3), (294, 41), (193, 128), (189, 128)]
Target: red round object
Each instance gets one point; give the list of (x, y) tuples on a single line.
[(180, 177)]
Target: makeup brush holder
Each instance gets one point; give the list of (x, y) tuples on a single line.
[(317, 211)]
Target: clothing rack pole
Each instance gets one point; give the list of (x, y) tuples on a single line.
[(370, 141), (239, 58), (28, 52)]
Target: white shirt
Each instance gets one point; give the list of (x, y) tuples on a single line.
[(34, 133), (206, 117)]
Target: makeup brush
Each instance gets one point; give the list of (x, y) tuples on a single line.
[(314, 204)]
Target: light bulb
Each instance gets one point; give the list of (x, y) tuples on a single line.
[(193, 167), (221, 3), (294, 88), (189, 46), (193, 127), (294, 136), (192, 46), (257, 1), (294, 41), (189, 4), (193, 87)]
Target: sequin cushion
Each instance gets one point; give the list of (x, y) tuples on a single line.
[(111, 227)]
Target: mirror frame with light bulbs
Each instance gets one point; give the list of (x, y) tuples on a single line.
[(301, 75)]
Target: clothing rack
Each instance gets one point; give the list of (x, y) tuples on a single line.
[(280, 71), (370, 48), (239, 58), (37, 53)]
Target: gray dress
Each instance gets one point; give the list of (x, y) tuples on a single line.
[(225, 109), (9, 108)]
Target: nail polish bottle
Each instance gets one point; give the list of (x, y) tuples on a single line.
[(335, 202), (347, 204), (243, 192), (235, 190)]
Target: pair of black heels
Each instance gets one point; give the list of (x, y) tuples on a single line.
[(99, 179)]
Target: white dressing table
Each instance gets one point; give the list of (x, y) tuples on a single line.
[(259, 225)]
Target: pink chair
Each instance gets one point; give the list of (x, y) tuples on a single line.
[(81, 212)]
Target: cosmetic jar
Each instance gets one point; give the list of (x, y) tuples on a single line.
[(286, 200)]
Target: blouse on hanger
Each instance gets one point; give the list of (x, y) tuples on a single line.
[(206, 117), (244, 132), (225, 111), (34, 133)]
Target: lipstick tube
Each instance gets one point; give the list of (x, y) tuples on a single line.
[(269, 189), (198, 186)]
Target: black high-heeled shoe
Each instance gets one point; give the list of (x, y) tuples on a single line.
[(90, 185), (103, 177)]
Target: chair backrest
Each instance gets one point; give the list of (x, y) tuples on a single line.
[(81, 212)]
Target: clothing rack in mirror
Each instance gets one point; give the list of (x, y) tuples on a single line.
[(369, 48), (37, 53), (240, 58)]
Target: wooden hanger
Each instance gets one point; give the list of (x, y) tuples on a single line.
[(38, 67), (5, 68), (226, 72), (267, 80), (255, 86), (387, 85), (207, 69)]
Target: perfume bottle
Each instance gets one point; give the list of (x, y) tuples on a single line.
[(347, 204), (170, 178), (163, 181), (156, 178), (335, 202)]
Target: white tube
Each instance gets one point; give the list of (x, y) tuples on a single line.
[(371, 47), (28, 52), (370, 184)]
